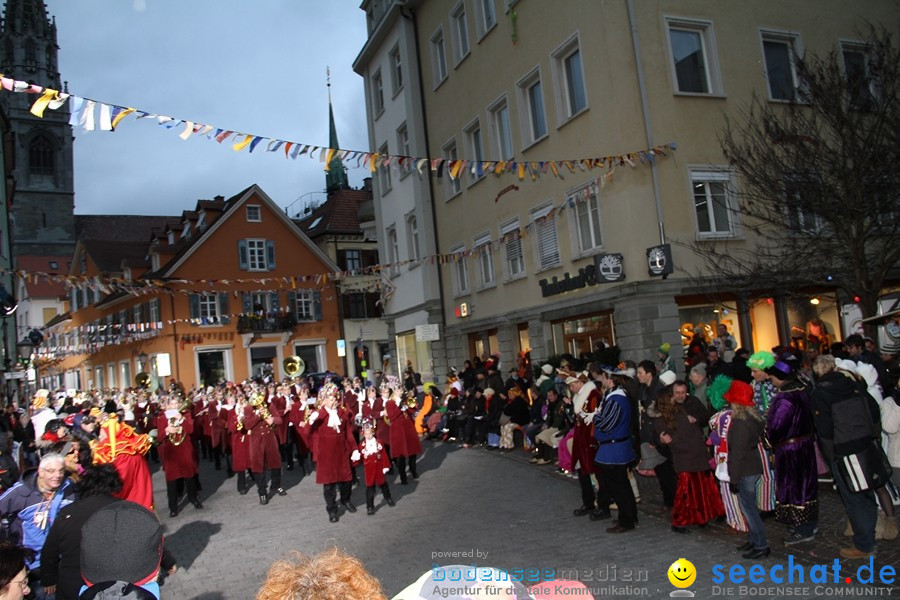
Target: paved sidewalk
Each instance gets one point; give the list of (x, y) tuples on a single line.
[(490, 509)]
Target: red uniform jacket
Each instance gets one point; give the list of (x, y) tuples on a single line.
[(404, 439), (279, 406), (178, 461), (332, 448), (373, 412), (263, 443), (374, 463), (240, 445)]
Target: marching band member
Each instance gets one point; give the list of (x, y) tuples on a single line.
[(375, 465), (333, 442), (240, 445), (178, 458), (259, 423), (280, 404), (404, 439)]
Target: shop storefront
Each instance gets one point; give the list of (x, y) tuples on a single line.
[(583, 334)]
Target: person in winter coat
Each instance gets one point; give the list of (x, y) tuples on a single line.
[(844, 425), (745, 464), (31, 506)]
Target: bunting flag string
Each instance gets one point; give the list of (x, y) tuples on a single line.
[(112, 115), (345, 279)]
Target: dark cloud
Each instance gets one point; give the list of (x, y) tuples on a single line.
[(256, 67)]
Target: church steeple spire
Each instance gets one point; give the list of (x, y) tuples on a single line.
[(336, 178)]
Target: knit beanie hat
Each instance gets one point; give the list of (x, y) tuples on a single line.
[(664, 348), (122, 541), (700, 369), (547, 369)]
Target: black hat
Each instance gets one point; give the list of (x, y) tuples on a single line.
[(122, 541)]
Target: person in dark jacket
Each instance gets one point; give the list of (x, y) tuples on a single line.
[(61, 555), (697, 499), (516, 414), (744, 464), (9, 470), (842, 414), (650, 386), (739, 368), (493, 402)]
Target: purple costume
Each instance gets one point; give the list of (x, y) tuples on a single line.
[(790, 431)]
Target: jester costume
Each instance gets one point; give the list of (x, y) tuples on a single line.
[(120, 445)]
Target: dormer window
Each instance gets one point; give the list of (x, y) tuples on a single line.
[(54, 264), (154, 261), (126, 273), (186, 232), (254, 214), (171, 237), (201, 221)]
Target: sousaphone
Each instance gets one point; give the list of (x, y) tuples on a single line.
[(146, 382), (293, 365)]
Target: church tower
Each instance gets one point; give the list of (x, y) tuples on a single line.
[(44, 199)]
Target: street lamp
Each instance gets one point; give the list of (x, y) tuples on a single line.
[(24, 349), (142, 361)]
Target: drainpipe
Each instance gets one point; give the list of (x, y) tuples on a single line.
[(175, 337), (340, 302), (645, 109)]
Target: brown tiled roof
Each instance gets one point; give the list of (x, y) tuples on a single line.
[(339, 214), (110, 239), (43, 288)]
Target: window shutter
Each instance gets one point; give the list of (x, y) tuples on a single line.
[(242, 254), (369, 258), (245, 301), (317, 306), (270, 254), (292, 304), (223, 308), (345, 305), (273, 302), (548, 248), (342, 260), (194, 304)]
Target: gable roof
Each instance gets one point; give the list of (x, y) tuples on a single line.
[(231, 206), (337, 215), (110, 239), (43, 288)]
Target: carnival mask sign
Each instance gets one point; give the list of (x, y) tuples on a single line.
[(659, 261), (610, 268)]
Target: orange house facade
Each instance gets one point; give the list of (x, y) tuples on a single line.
[(236, 288)]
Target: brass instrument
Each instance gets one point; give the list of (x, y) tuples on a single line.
[(258, 402), (176, 439), (411, 401), (293, 365), (147, 382)]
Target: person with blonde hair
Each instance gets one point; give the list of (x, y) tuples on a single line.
[(330, 575)]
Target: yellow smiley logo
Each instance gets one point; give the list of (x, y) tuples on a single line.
[(682, 573)]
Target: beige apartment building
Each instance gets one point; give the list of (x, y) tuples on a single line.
[(540, 81)]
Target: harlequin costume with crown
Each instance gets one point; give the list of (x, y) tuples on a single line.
[(119, 444)]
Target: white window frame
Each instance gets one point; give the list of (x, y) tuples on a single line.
[(544, 263), (792, 186), (125, 373), (453, 187), (559, 56), (250, 212), (702, 175), (862, 48), (707, 46), (496, 112), (396, 69), (462, 43), (393, 249), (527, 111), (377, 93), (412, 238), (580, 246), (438, 57), (513, 255), (256, 245), (484, 254), (403, 149), (304, 298), (795, 50), (154, 312), (208, 306), (384, 173), (460, 271), (475, 150), (484, 25)]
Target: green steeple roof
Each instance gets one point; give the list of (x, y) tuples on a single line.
[(336, 178)]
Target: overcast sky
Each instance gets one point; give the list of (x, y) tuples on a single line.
[(250, 66)]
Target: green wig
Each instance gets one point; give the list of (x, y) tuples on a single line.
[(715, 393)]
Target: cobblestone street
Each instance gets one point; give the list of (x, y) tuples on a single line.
[(495, 510)]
